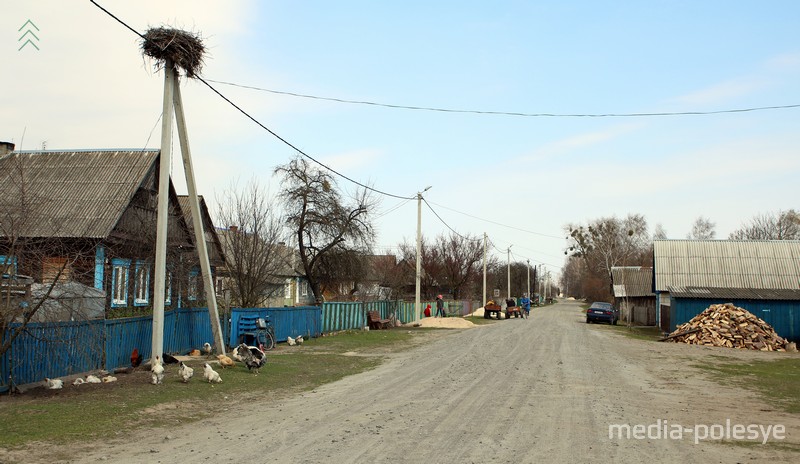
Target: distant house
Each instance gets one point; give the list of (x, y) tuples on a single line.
[(633, 294), (86, 219), (287, 285), (761, 276)]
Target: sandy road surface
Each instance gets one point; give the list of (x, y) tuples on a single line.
[(538, 390)]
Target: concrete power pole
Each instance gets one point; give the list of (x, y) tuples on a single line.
[(417, 296), (484, 269)]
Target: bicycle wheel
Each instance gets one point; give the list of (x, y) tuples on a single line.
[(270, 341)]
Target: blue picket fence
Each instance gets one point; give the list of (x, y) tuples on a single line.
[(66, 348)]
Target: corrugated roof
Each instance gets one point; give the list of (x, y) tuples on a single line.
[(734, 293), (632, 281), (79, 193), (743, 264)]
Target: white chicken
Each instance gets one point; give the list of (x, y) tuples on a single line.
[(78, 381), (109, 379), (252, 356), (207, 348), (158, 371), (291, 341), (210, 374), (93, 379), (185, 372), (54, 384), (299, 340)]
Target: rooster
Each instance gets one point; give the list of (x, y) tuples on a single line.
[(210, 374), (207, 348), (136, 358), (225, 361), (291, 341), (158, 371), (299, 340), (252, 356), (185, 372), (54, 384)]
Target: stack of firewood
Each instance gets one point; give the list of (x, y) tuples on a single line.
[(729, 326)]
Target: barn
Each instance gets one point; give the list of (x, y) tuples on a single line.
[(761, 276)]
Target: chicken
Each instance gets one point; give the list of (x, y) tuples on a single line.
[(158, 371), (136, 358), (252, 356), (93, 379), (169, 359), (185, 372), (54, 384), (210, 374), (194, 353), (225, 361), (109, 379), (291, 341), (299, 340), (78, 381), (207, 348)]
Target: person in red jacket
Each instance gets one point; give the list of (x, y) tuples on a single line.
[(428, 311)]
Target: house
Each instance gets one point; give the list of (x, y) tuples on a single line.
[(761, 276), (283, 283), (87, 218), (633, 294)]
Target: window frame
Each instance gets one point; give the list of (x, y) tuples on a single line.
[(141, 283), (120, 277)]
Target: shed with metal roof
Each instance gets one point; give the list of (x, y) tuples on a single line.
[(761, 276), (633, 294)]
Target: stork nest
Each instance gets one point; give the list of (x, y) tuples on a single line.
[(184, 49)]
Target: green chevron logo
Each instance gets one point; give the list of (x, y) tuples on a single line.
[(29, 36)]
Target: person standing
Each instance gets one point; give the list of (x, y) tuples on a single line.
[(526, 304), (439, 306)]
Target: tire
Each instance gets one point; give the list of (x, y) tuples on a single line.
[(270, 342)]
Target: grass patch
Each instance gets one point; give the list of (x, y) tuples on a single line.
[(101, 411), (639, 333), (776, 381), (480, 320)]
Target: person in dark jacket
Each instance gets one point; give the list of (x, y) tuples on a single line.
[(439, 306)]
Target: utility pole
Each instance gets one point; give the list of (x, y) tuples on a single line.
[(417, 302), (484, 269), (528, 267), (509, 271)]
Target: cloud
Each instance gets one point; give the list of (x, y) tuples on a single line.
[(580, 141), (351, 161), (723, 91)]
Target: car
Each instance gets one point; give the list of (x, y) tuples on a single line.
[(600, 311)]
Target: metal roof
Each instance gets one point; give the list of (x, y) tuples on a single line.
[(70, 193), (632, 281), (734, 293), (740, 264)]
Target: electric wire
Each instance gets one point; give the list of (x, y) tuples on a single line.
[(498, 223), (510, 113), (448, 225), (246, 114)]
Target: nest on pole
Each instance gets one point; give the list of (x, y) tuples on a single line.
[(184, 49)]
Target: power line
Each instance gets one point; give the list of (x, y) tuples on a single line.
[(499, 224), (286, 142), (446, 224), (510, 113)]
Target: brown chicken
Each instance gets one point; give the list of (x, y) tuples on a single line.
[(136, 358)]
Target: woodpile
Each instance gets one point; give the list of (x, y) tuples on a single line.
[(729, 326)]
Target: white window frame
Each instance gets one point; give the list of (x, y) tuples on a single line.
[(120, 272), (168, 289), (193, 287), (141, 283)]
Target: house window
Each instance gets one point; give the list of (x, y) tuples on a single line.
[(194, 280), (56, 269), (287, 288), (304, 288), (168, 289), (8, 264), (141, 284), (119, 281)]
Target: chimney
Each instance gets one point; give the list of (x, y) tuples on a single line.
[(233, 228), (6, 148)]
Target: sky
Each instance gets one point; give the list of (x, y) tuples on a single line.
[(82, 83)]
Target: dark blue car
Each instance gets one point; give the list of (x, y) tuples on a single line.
[(602, 312)]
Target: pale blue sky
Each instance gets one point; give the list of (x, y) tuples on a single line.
[(88, 87)]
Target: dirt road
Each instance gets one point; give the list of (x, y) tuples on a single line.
[(538, 390)]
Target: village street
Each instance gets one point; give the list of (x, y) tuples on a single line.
[(544, 389)]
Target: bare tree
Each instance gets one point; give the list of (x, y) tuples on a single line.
[(605, 243), (702, 229), (782, 225), (459, 258), (321, 219), (659, 233), (254, 244)]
